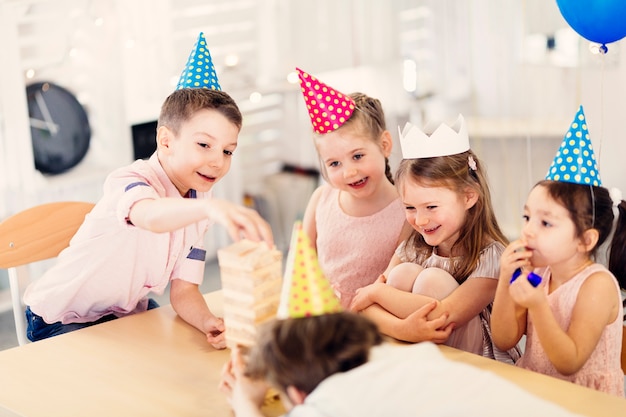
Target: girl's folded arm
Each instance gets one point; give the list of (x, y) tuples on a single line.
[(468, 300), (400, 303)]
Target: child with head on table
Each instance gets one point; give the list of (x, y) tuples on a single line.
[(148, 229)]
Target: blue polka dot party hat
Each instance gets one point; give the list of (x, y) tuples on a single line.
[(575, 161), (199, 71)]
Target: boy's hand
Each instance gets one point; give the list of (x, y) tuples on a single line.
[(215, 332), (240, 221), (227, 380), (245, 395)]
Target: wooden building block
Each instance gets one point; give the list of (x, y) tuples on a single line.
[(251, 276)]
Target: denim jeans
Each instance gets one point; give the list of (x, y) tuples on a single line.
[(38, 329)]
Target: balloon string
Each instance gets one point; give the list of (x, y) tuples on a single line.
[(602, 61)]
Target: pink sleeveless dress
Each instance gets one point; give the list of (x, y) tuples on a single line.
[(354, 251), (602, 371)]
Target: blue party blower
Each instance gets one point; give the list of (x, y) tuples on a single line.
[(533, 278)]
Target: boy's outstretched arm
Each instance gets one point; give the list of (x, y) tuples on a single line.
[(168, 214), (189, 304)]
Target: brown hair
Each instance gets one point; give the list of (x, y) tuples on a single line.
[(367, 120), (480, 227), (591, 207), (182, 104), (302, 352)]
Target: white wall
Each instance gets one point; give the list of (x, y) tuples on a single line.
[(470, 57), (520, 109), (62, 42)]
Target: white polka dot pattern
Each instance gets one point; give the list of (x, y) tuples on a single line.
[(575, 161)]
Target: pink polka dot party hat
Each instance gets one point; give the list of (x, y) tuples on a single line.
[(328, 108), (306, 291)]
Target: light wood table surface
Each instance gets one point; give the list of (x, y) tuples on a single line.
[(149, 364), (576, 398), (154, 364)]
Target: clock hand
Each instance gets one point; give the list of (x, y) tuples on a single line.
[(54, 128), (40, 124)]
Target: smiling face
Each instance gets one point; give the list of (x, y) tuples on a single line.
[(352, 161), (549, 230), (200, 154), (437, 213)]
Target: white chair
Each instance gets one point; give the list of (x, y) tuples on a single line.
[(32, 235)]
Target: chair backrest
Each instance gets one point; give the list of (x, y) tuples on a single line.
[(32, 235)]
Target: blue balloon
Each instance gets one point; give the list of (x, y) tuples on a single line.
[(600, 21)]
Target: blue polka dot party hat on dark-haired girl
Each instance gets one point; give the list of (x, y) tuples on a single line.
[(199, 71), (575, 161)]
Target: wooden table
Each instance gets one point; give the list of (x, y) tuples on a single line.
[(154, 364), (150, 364), (573, 397)]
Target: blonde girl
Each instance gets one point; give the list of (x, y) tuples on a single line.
[(355, 219)]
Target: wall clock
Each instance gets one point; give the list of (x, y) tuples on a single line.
[(59, 127)]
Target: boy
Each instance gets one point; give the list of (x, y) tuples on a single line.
[(148, 228)]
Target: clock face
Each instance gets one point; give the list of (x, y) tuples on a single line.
[(59, 127)]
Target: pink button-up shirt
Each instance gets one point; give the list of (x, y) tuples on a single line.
[(111, 265)]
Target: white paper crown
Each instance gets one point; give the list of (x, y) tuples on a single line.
[(429, 142)]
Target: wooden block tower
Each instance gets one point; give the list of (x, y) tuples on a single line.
[(251, 275)]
